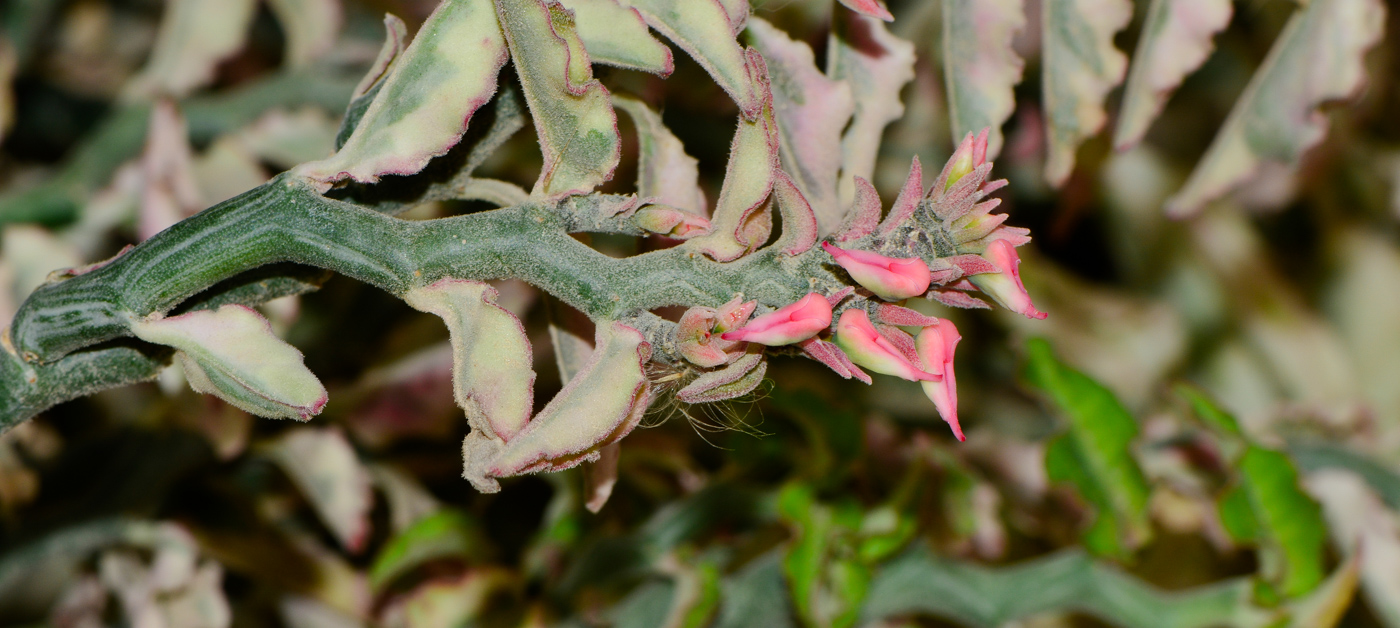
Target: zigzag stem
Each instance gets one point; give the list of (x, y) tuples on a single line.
[(286, 220)]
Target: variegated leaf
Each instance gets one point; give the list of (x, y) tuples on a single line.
[(426, 99), (492, 376), (1175, 40), (979, 65), (617, 35), (664, 171), (195, 35), (1318, 58), (311, 27), (704, 29), (394, 37), (1081, 67), (573, 114), (324, 466), (231, 352), (877, 65), (811, 111), (799, 222)]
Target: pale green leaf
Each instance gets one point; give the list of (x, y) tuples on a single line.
[(424, 103), (980, 67), (447, 602), (492, 376), (394, 37), (1176, 39), (1290, 530), (311, 27), (877, 65), (323, 464), (735, 379), (664, 171), (705, 30), (231, 352), (1095, 454), (1080, 67), (574, 118), (1317, 58), (195, 35), (812, 111), (446, 533), (617, 35)]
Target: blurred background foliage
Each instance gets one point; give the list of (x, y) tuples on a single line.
[(1204, 432)]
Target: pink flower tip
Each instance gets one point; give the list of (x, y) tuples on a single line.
[(935, 346), (1005, 285), (893, 279), (787, 325), (866, 347)]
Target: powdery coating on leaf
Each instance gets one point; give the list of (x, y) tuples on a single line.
[(907, 201), (870, 8), (492, 376), (665, 173), (811, 111), (596, 408), (573, 113), (311, 27), (980, 67), (325, 468), (748, 180), (736, 379), (1317, 59), (395, 34), (430, 94), (864, 215), (703, 29), (195, 35), (1175, 40), (617, 35), (799, 223), (1081, 67), (877, 65), (245, 363)]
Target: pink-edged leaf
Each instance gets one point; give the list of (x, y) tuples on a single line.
[(736, 379), (597, 407), (738, 12), (427, 98), (811, 111), (232, 353), (1175, 40), (864, 217), (877, 65), (573, 113), (980, 66), (891, 314), (799, 223), (600, 477), (311, 27), (194, 37), (748, 180), (171, 192), (705, 30), (323, 465), (1318, 58), (616, 35), (832, 356), (493, 380), (395, 36), (1081, 66), (957, 298), (665, 172), (697, 340), (907, 201), (869, 8)]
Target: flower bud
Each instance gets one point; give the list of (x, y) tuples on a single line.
[(935, 345), (971, 153), (866, 347), (694, 333), (671, 222), (1005, 285), (894, 279), (789, 324)]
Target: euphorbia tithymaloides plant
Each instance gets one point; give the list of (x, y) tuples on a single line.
[(830, 287)]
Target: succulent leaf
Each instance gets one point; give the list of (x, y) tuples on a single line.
[(194, 36), (492, 377), (705, 30), (665, 172), (311, 27), (232, 353), (1081, 67), (616, 35), (1175, 40), (800, 225), (426, 99), (736, 379), (864, 215), (877, 65), (980, 66), (907, 201)]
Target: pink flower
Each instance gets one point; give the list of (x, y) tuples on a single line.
[(890, 278), (935, 346), (789, 324), (868, 348), (694, 338), (1005, 285)]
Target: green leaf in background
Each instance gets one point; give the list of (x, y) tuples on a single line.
[(980, 66), (446, 533), (1081, 66), (1317, 59), (1095, 454)]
